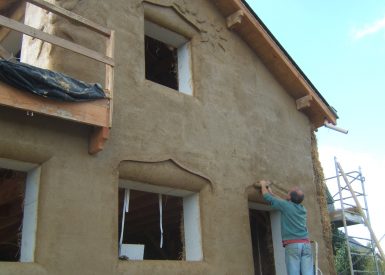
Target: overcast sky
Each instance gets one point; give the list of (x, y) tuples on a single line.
[(340, 46)]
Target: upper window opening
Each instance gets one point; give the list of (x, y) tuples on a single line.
[(167, 58), (158, 223), (161, 63)]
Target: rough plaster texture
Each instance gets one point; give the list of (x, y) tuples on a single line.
[(240, 126)]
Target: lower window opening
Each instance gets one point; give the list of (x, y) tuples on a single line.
[(12, 193), (142, 226), (262, 242)]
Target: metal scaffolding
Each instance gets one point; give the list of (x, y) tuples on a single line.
[(346, 210)]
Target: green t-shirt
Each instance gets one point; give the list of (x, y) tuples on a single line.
[(293, 218)]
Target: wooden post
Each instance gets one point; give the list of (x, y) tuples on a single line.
[(110, 72), (98, 137)]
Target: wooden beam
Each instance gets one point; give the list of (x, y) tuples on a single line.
[(19, 27), (98, 137), (71, 16), (90, 112), (109, 77), (304, 102), (234, 19)]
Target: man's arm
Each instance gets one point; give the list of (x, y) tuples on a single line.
[(268, 195)]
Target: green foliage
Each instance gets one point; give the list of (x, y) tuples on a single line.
[(341, 258), (341, 261), (371, 265)]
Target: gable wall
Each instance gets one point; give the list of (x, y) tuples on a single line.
[(239, 127)]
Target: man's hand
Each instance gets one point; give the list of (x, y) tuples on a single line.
[(264, 184)]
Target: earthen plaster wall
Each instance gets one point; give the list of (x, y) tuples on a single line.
[(240, 126)]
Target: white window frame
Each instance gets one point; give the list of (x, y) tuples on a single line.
[(191, 214), (275, 221), (30, 205), (183, 46)]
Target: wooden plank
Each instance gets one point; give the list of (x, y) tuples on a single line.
[(14, 25), (71, 16), (90, 112), (98, 137), (109, 80)]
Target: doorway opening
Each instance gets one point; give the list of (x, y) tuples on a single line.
[(262, 242)]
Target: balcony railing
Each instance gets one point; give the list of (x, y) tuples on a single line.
[(97, 113)]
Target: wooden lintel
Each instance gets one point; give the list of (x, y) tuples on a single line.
[(234, 19), (98, 137), (304, 102)]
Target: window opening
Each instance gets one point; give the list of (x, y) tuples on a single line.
[(143, 224), (262, 242), (158, 223), (12, 193), (161, 63), (168, 58), (19, 188)]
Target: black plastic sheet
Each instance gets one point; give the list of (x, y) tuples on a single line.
[(47, 83)]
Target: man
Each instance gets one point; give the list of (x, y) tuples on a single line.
[(295, 237)]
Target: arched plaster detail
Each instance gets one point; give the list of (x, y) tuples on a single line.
[(174, 8), (166, 172), (211, 32)]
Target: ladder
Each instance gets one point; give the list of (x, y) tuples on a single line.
[(351, 212)]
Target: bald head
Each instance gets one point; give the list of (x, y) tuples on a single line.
[(296, 195)]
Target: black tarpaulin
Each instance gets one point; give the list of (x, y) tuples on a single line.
[(47, 83)]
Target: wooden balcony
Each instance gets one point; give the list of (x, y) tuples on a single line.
[(97, 113)]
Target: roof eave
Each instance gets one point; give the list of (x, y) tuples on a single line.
[(249, 27)]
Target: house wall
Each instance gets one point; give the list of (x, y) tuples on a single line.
[(240, 126)]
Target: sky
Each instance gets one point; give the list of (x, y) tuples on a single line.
[(340, 46)]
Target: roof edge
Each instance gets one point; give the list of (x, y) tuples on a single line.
[(255, 33)]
